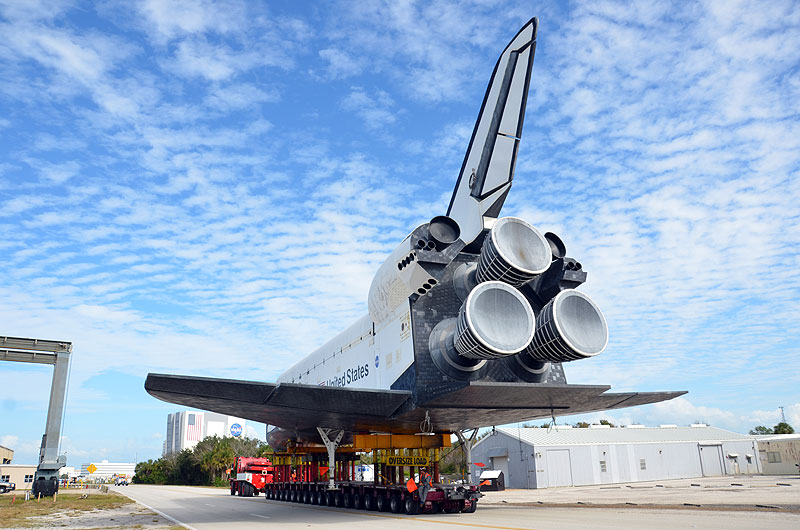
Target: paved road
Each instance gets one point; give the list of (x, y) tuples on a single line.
[(215, 509)]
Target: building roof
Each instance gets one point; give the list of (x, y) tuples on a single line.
[(621, 435), (776, 437)]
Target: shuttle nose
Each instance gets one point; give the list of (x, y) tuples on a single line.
[(494, 321)]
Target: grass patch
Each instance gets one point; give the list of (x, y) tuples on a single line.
[(17, 514)]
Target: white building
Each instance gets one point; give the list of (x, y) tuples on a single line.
[(545, 458), (186, 428), (105, 469)]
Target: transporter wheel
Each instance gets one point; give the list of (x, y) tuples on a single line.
[(338, 499), (313, 497), (330, 498), (396, 504), (321, 498), (452, 507), (282, 495), (472, 507), (382, 503), (347, 500), (233, 488), (411, 506), (358, 501), (369, 502)]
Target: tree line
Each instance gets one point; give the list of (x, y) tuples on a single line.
[(780, 428), (205, 465)]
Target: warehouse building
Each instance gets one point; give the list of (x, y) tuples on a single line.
[(565, 456), (779, 454), (185, 429)]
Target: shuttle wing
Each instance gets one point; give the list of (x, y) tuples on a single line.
[(303, 408), (488, 166)]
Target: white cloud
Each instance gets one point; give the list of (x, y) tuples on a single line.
[(173, 19), (340, 64), (157, 211), (376, 110)]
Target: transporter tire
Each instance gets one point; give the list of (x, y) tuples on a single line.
[(382, 503), (306, 497), (396, 504), (411, 506), (330, 499), (472, 507), (321, 498), (358, 501), (338, 500), (233, 488), (347, 500), (369, 502), (283, 495)]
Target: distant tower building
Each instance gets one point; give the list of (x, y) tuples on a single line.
[(186, 428)]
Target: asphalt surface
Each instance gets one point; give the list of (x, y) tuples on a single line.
[(198, 508)]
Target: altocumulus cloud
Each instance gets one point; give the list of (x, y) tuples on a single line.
[(203, 187)]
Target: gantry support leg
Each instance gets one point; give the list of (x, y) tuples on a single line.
[(331, 446), (467, 443)]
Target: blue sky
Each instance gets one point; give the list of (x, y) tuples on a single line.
[(207, 188)]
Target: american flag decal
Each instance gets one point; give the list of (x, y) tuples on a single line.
[(194, 427)]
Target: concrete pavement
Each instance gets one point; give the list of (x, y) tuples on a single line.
[(743, 491), (198, 508)]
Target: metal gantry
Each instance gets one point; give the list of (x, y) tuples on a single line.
[(56, 353)]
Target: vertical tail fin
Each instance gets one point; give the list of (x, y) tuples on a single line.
[(488, 166)]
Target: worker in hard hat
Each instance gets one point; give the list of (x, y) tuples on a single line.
[(424, 483)]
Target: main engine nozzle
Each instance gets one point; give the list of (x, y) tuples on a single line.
[(513, 252), (494, 321), (569, 327)]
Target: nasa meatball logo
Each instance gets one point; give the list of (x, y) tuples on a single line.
[(236, 429)]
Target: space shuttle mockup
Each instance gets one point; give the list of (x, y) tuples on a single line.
[(470, 318)]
